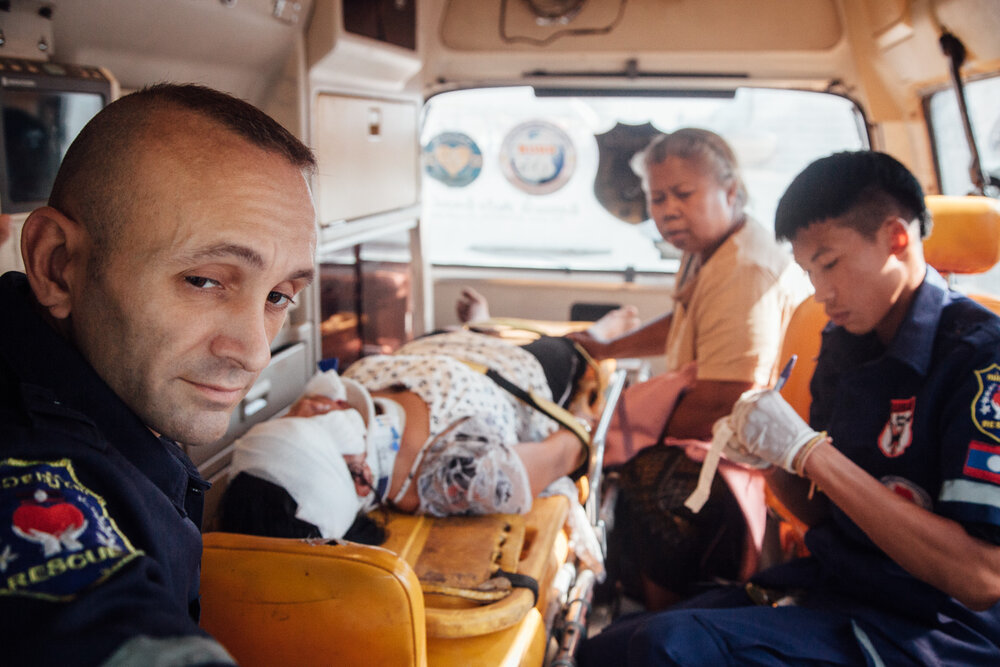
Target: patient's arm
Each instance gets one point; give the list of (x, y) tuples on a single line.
[(546, 461), (700, 406), (648, 340), (311, 405)]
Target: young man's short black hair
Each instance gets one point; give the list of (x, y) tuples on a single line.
[(862, 188)]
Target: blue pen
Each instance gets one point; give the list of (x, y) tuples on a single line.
[(785, 372)]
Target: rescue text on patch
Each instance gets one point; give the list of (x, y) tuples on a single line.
[(59, 565)]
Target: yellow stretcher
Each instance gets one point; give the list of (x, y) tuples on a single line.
[(434, 593)]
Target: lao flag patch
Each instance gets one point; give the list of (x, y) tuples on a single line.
[(983, 462), (56, 537)]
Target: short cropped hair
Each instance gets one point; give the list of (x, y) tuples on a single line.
[(861, 188), (95, 179), (706, 148)]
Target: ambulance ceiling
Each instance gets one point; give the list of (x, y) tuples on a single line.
[(235, 45), (642, 25), (776, 38)]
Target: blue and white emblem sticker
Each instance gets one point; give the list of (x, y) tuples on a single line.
[(986, 404), (56, 537), (453, 158)]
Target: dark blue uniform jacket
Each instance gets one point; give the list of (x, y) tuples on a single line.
[(922, 415), (99, 518)]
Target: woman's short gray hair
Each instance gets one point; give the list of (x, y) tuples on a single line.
[(705, 147)]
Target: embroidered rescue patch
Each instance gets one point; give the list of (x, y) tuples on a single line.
[(56, 537), (986, 404), (983, 462), (897, 434)]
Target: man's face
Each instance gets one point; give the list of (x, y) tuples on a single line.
[(180, 318), (858, 280)]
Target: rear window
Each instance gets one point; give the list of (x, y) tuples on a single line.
[(982, 97), (509, 175), (953, 157)]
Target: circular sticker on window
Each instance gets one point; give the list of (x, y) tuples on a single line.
[(453, 158), (537, 157)]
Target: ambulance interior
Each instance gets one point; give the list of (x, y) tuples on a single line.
[(485, 143)]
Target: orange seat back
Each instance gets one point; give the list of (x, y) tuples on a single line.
[(965, 237), (275, 601), (802, 338)]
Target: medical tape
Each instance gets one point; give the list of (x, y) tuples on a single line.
[(699, 496)]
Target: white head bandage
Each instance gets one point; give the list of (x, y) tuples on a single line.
[(298, 454)]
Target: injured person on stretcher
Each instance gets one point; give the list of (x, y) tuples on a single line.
[(437, 428)]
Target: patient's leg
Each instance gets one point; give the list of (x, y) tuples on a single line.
[(465, 471), (616, 323), (472, 306)]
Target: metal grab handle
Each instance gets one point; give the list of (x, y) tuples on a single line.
[(256, 399)]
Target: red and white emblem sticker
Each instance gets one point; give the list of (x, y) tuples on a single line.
[(907, 489), (897, 434)]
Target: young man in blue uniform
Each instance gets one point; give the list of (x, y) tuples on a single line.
[(903, 447), (179, 229)]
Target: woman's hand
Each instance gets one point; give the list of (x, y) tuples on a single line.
[(593, 346), (315, 404)]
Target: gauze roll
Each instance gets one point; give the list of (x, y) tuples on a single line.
[(326, 384)]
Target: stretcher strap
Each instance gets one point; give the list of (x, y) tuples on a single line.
[(496, 588), (561, 415), (701, 492), (521, 581)]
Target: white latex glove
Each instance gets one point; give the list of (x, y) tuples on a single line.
[(722, 430), (766, 426)]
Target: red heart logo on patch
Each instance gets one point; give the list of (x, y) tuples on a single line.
[(51, 519)]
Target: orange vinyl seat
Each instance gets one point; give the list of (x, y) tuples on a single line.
[(276, 601), (965, 238), (802, 338)]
